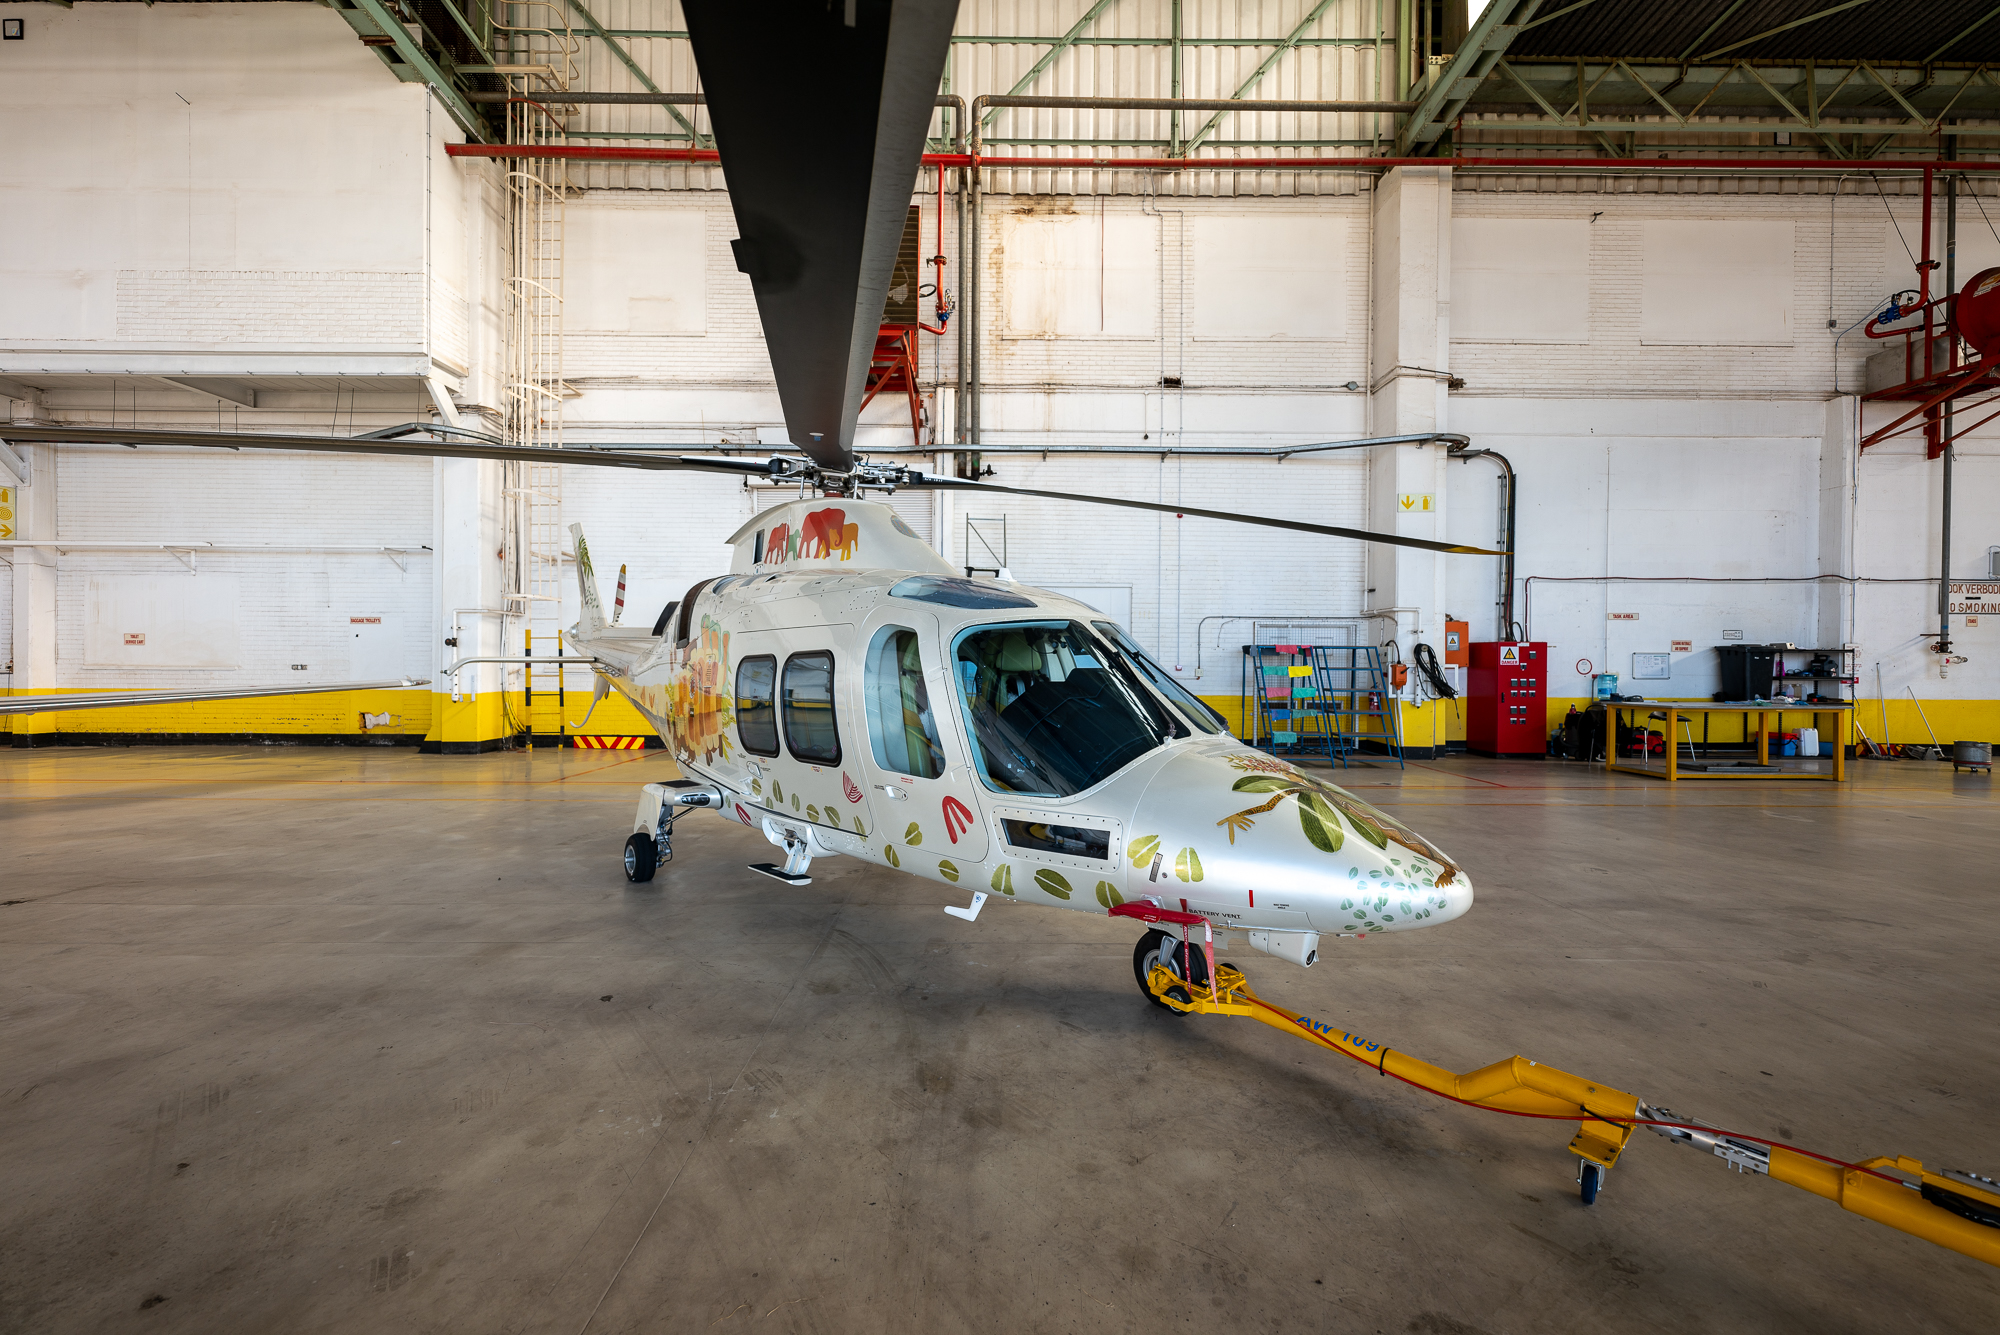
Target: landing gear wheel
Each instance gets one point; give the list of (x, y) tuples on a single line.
[(1158, 947), (642, 857), (1589, 1179)]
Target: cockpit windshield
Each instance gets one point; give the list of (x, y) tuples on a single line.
[(1049, 713), (1188, 703)]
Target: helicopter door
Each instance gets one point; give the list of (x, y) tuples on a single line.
[(791, 722), (928, 802)]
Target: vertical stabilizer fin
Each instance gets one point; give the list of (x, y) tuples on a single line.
[(586, 584)]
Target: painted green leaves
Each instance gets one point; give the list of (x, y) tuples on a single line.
[(889, 854), (756, 787), (1108, 896), (833, 818), (1142, 851), (1003, 879), (812, 812), (914, 835), (949, 870), (1318, 819), (777, 791), (1052, 883), (1321, 825)]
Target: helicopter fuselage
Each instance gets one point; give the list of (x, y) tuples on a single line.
[(994, 737)]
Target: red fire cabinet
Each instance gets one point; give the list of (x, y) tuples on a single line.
[(1507, 711)]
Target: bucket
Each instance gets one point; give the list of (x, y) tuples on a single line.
[(1607, 685), (1972, 753)]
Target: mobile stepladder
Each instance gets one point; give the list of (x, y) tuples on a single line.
[(1352, 692), (1281, 701)]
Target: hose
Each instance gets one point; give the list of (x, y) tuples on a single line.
[(1427, 663)]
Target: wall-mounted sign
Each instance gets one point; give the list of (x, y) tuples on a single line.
[(1972, 599), (1683, 646), (1621, 616), (1417, 502), (135, 637)]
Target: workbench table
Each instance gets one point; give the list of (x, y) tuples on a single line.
[(1829, 718)]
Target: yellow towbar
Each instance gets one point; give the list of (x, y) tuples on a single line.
[(1953, 1209)]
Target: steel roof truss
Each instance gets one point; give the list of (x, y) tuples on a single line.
[(1976, 26), (1291, 41), (625, 58), (1492, 33)]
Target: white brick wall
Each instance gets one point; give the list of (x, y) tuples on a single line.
[(223, 307)]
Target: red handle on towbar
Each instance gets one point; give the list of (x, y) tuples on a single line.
[(1146, 912), (1149, 912)]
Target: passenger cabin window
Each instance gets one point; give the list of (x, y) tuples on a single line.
[(1190, 704), (1048, 714), (756, 710), (900, 726), (810, 729)]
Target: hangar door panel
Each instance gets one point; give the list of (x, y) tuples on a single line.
[(1520, 280), (162, 621), (1706, 283), (1270, 277)]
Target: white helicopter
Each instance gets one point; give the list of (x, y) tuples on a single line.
[(846, 691)]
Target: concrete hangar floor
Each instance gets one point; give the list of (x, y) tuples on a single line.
[(333, 1040)]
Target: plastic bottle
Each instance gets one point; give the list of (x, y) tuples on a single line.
[(1607, 685)]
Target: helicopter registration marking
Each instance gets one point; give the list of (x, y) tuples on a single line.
[(1311, 1025)]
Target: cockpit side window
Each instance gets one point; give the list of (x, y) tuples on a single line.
[(1047, 713), (1198, 713), (901, 728)]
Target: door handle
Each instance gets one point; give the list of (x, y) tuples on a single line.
[(895, 793)]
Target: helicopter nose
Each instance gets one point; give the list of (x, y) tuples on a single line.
[(1263, 842)]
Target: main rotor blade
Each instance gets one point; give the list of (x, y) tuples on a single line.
[(931, 481), (820, 214), (450, 449), (45, 704)]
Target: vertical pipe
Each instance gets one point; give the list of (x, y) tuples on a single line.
[(973, 278), (1948, 147), (1174, 116), (958, 407)]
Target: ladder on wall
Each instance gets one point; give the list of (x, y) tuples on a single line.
[(1354, 696), (536, 189)]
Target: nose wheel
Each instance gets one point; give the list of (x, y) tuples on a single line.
[(1164, 948)]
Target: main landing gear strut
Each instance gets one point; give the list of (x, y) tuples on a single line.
[(1176, 970)]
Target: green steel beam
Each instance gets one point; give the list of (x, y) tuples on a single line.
[(478, 43), (1782, 27), (1720, 19), (625, 57), (1062, 44), (1475, 59), (1977, 24), (1291, 41), (412, 53)]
